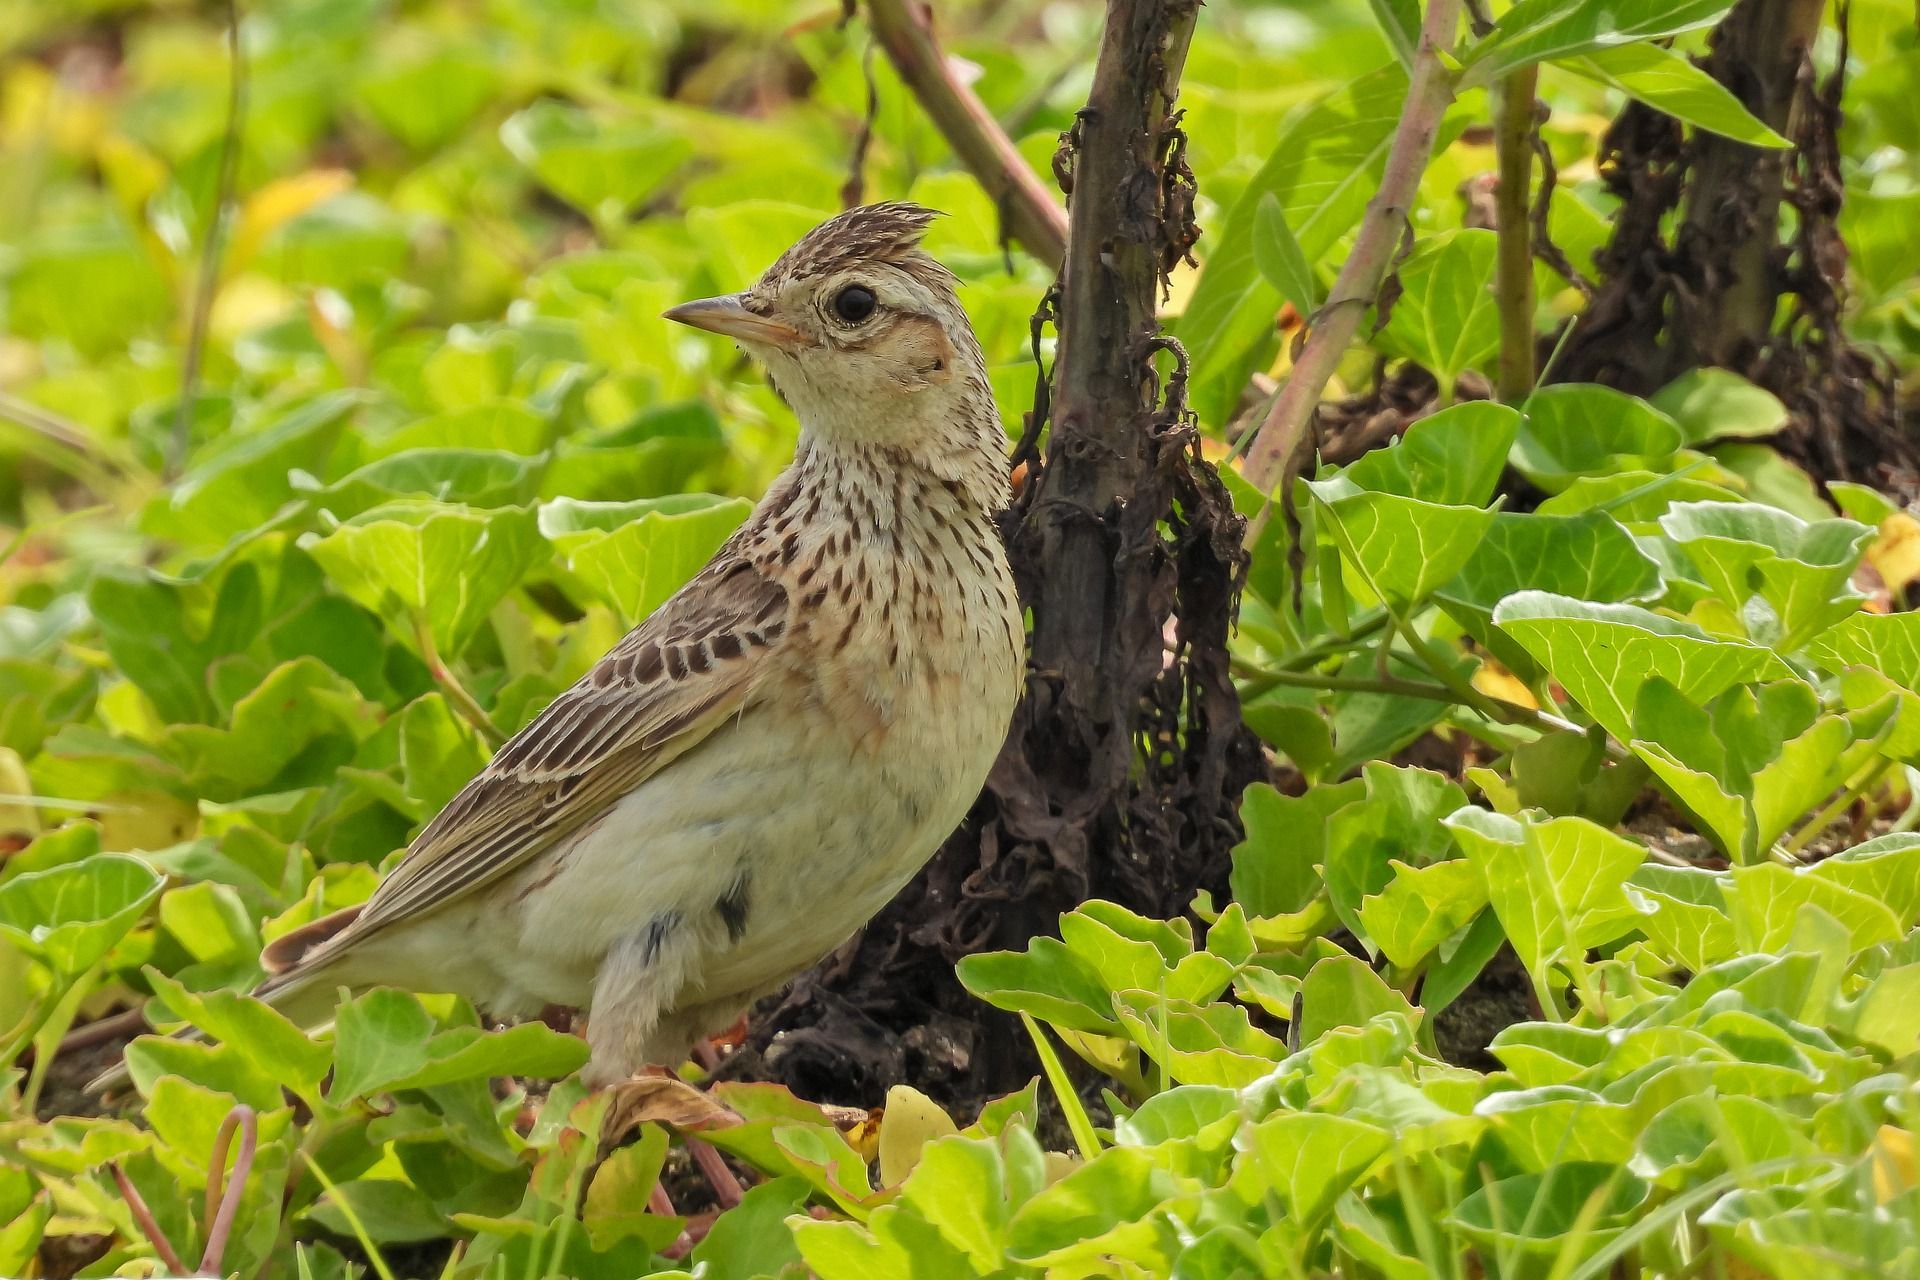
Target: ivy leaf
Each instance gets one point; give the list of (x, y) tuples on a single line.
[(1556, 883), (604, 169), (447, 565), (1802, 570), (1421, 907), (1404, 547), (1585, 557), (70, 916), (1575, 429), (633, 555), (1603, 653), (1446, 319)]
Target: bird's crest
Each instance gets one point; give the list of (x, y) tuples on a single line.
[(887, 232)]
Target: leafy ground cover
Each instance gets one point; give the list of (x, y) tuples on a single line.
[(1573, 936)]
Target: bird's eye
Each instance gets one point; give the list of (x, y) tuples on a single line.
[(854, 303)]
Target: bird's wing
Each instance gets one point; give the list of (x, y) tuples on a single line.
[(655, 695)]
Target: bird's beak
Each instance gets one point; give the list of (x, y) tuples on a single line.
[(726, 315)]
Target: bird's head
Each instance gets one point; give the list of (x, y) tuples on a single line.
[(862, 333)]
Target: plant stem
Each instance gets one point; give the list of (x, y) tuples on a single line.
[(1429, 91), (1513, 280), (143, 1218), (456, 693), (905, 31), (1829, 814), (212, 243), (223, 1197), (1261, 679)]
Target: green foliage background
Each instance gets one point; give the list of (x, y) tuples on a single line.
[(443, 450)]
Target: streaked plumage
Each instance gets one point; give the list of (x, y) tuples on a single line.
[(758, 767)]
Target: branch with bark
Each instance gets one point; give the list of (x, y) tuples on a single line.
[(905, 30), (1430, 89)]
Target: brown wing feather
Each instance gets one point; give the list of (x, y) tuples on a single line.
[(654, 695)]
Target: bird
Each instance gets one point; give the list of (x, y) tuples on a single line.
[(760, 765)]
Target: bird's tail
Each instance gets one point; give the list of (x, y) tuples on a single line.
[(295, 987)]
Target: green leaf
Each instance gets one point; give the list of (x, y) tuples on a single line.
[(529, 1050), (475, 477), (753, 1237), (603, 169), (1603, 653), (447, 564), (1889, 643), (1713, 404), (389, 1210), (1405, 547), (1559, 1124), (1765, 903), (1399, 819), (1214, 1044), (633, 555), (1322, 172), (1535, 1212), (266, 1037), (1046, 980), (1802, 570), (378, 1038), (1421, 907), (1104, 1206), (1668, 81), (1556, 884), (1306, 1160), (425, 100), (1547, 30), (1446, 319), (248, 477), (959, 1187), (71, 916), (1575, 429), (1683, 912), (1343, 991), (1453, 457), (1635, 498), (165, 633), (1585, 557), (1275, 869), (1753, 759), (1279, 258), (301, 707)]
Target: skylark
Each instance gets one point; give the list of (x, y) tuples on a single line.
[(749, 775)]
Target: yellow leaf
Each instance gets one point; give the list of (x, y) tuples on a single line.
[(141, 820), (250, 303), (277, 203), (1496, 681), (1895, 554), (910, 1122), (1893, 1162), (19, 816)]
